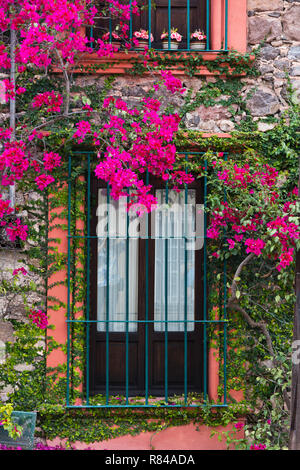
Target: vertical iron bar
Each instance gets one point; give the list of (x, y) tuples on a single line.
[(107, 301), (166, 298), (91, 37), (130, 21), (69, 279), (88, 281), (207, 24), (169, 24), (188, 24), (205, 289), (185, 289), (110, 28), (226, 25), (149, 23)]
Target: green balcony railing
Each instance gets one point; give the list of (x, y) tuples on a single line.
[(185, 22), (83, 163)]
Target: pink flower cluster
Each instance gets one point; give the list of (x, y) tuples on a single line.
[(39, 318), (173, 84), (50, 100), (239, 425), (10, 90), (43, 181), (285, 232), (258, 447), (143, 34), (151, 150), (253, 231), (121, 10), (5, 208), (15, 160), (198, 34), (19, 270), (174, 35), (242, 176), (83, 128), (16, 230), (51, 160), (254, 246)]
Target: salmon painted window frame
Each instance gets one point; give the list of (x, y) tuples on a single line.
[(223, 23), (65, 317)]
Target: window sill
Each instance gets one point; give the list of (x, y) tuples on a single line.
[(124, 63)]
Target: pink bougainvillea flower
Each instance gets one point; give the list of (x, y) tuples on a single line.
[(20, 270), (39, 318), (51, 160), (239, 425), (254, 246), (43, 181)]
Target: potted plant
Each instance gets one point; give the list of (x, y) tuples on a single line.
[(143, 38), (175, 39), (198, 42)]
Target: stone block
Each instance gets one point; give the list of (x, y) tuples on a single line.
[(260, 27), (291, 23), (265, 5), (263, 102)]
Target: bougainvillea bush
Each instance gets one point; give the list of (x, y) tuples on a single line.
[(254, 228)]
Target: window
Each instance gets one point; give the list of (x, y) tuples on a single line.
[(186, 16), (146, 293), (138, 294)]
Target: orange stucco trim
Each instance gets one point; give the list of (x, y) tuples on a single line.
[(57, 289), (123, 64)]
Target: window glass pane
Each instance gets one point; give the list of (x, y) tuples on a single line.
[(112, 254), (172, 223)]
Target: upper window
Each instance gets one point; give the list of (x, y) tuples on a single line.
[(191, 19)]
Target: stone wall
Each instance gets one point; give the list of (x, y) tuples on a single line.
[(11, 302), (278, 23)]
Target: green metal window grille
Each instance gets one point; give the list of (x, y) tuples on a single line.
[(83, 164), (150, 5)]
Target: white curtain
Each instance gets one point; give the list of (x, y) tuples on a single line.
[(112, 224), (170, 222)]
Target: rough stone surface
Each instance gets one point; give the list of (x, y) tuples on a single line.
[(24, 367), (269, 52), (296, 87), (260, 27), (263, 103), (282, 64), (295, 72), (265, 126), (2, 352), (6, 332), (294, 52), (265, 5), (226, 125), (291, 23)]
